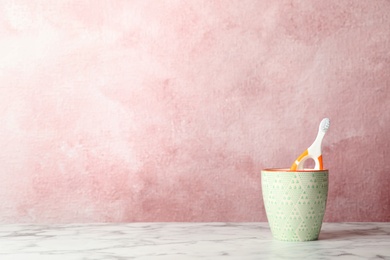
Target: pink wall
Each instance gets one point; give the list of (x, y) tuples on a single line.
[(168, 110)]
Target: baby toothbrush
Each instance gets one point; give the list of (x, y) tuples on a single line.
[(314, 151)]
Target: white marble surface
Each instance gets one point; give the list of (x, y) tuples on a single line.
[(189, 241)]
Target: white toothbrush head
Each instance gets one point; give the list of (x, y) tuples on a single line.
[(324, 125)]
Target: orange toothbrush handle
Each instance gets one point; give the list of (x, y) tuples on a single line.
[(300, 158)]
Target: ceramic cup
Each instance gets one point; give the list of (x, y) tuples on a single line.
[(295, 202)]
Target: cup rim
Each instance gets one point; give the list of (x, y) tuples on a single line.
[(289, 170)]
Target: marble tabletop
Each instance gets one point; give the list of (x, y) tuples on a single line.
[(189, 241)]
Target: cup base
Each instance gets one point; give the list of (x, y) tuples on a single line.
[(295, 240), (287, 240)]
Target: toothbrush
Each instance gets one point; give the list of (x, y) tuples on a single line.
[(314, 151)]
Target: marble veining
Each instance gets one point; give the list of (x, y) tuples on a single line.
[(189, 241)]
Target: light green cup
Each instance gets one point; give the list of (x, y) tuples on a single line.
[(295, 202)]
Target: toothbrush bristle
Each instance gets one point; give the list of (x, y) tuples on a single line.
[(325, 124)]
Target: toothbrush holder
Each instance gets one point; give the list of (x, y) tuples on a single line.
[(295, 202)]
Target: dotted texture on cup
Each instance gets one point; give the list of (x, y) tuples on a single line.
[(295, 203)]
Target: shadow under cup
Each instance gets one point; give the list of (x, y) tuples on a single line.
[(295, 202)]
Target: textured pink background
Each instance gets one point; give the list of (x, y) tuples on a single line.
[(168, 110)]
